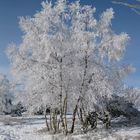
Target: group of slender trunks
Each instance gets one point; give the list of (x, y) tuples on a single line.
[(57, 119)]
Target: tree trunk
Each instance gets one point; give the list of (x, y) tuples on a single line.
[(61, 98), (58, 124), (54, 121), (74, 116), (51, 128), (47, 125), (61, 116), (65, 114)]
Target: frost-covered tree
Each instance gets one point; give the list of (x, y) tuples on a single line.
[(132, 95), (5, 95), (68, 60)]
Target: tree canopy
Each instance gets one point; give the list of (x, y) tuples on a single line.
[(68, 59)]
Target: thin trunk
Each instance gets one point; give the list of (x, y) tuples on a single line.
[(61, 117), (47, 125), (54, 122), (78, 114), (81, 116), (74, 116), (65, 114), (58, 124), (61, 98), (51, 128)]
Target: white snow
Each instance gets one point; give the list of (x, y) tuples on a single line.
[(33, 128), (24, 128)]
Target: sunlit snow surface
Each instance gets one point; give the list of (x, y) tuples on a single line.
[(33, 128)]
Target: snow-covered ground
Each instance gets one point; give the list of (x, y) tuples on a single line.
[(33, 128)]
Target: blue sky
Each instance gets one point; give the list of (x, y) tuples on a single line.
[(125, 21)]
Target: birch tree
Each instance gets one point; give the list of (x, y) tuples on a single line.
[(67, 60), (132, 95)]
